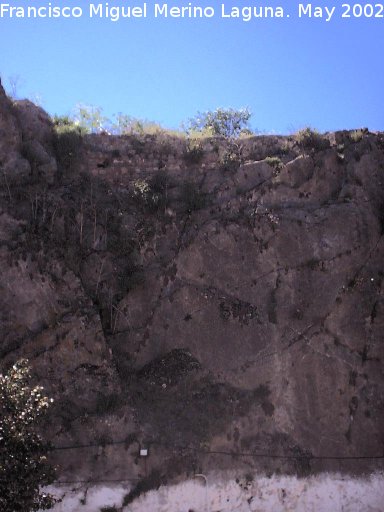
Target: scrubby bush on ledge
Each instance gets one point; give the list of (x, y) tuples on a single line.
[(67, 141), (307, 138)]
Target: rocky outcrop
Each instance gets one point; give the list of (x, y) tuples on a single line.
[(37, 139), (12, 165), (208, 300), (26, 142)]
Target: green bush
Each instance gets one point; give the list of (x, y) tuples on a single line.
[(64, 124), (153, 193), (307, 138), (274, 162), (221, 122)]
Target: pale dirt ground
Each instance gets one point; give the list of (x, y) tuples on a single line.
[(222, 493)]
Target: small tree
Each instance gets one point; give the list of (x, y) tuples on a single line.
[(128, 125), (223, 122), (90, 118), (23, 465)]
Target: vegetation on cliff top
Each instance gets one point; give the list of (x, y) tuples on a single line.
[(223, 122)]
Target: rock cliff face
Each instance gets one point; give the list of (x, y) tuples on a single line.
[(213, 301)]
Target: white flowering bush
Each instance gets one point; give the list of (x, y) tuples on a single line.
[(23, 464)]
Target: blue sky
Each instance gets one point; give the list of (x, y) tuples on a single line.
[(290, 72)]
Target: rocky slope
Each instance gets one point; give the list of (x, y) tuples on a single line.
[(202, 299)]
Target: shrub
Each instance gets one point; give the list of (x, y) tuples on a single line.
[(129, 125), (140, 189), (67, 141), (23, 466), (160, 182), (90, 118), (274, 162), (63, 124), (153, 193), (221, 122), (357, 135), (193, 152), (231, 159), (143, 194), (126, 125), (159, 185), (311, 139)]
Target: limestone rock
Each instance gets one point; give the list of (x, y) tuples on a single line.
[(12, 165), (34, 121), (264, 278), (37, 135)]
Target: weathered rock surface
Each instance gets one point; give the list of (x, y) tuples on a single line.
[(37, 139), (11, 163), (204, 304)]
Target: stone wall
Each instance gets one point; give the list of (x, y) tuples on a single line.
[(226, 492), (207, 299)]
